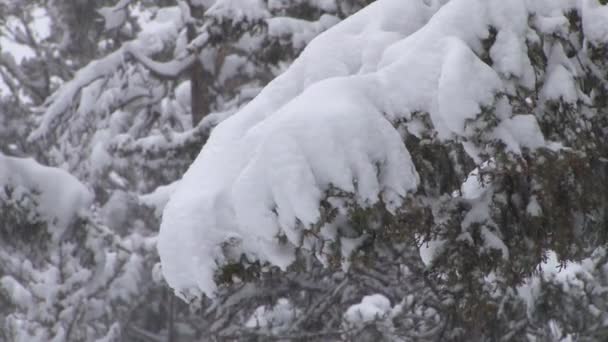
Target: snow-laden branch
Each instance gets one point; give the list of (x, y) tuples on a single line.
[(285, 149), (164, 70), (27, 175), (327, 124), (157, 146), (62, 99), (145, 45), (8, 62)]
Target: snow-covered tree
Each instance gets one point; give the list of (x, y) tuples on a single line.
[(133, 118), (121, 89), (63, 276), (422, 171)]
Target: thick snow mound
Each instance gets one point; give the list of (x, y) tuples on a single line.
[(328, 122), (60, 196)]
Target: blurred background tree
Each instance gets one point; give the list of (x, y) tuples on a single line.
[(121, 95)]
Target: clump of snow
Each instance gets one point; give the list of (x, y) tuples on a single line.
[(327, 123), (159, 197), (533, 208), (126, 284), (520, 131), (114, 16), (276, 316), (165, 24), (552, 25), (595, 21), (477, 181), (429, 250), (183, 94), (560, 83), (329, 6), (371, 308), (60, 196), (116, 211), (480, 214), (238, 10), (568, 276), (551, 8), (458, 102), (510, 56), (301, 32), (18, 294)]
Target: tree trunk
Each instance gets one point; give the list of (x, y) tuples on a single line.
[(200, 97)]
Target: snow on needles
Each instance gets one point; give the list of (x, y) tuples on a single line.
[(328, 122)]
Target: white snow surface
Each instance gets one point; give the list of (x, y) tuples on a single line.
[(328, 122)]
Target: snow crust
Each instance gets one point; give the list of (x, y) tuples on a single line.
[(328, 122)]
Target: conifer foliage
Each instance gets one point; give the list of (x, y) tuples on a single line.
[(310, 170)]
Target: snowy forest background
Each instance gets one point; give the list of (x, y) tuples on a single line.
[(422, 170)]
